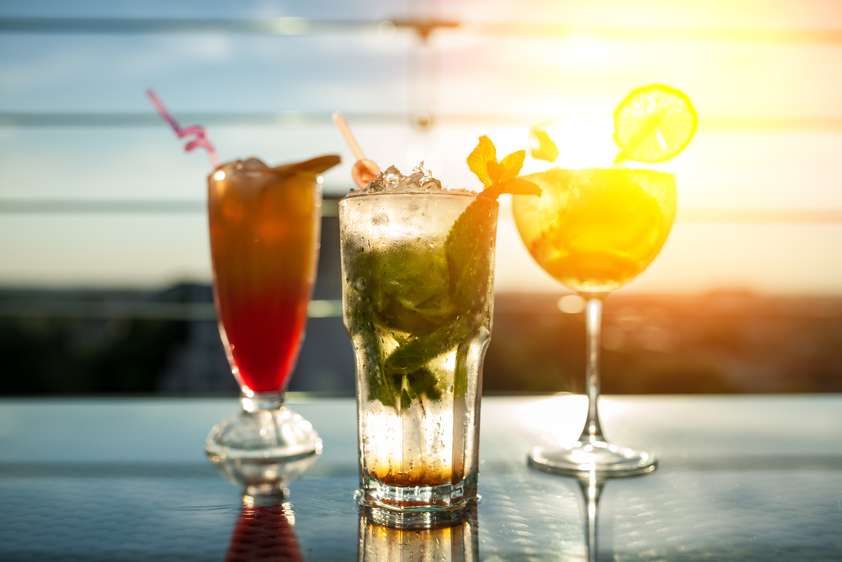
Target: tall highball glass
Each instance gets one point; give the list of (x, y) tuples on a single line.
[(418, 291)]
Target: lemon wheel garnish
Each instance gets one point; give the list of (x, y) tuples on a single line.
[(653, 124)]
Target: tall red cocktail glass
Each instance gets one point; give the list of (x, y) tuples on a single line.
[(264, 233)]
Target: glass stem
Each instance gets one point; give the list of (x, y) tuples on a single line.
[(257, 402), (593, 323)]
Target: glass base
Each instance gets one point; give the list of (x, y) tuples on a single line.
[(418, 520), (264, 430), (593, 456), (263, 478), (421, 504)]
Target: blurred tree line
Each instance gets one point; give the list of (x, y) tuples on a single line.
[(714, 343)]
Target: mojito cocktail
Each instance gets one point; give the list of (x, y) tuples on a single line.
[(417, 267)]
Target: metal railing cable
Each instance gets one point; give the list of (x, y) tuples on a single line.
[(424, 28)]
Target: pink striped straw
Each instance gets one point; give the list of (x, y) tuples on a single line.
[(198, 130)]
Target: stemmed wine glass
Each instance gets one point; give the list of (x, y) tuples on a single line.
[(264, 233), (595, 227)]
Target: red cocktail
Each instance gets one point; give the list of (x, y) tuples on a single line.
[(264, 233)]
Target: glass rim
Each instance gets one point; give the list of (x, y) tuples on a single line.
[(268, 171), (443, 193)]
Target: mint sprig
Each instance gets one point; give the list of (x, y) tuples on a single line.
[(499, 177), (438, 297)]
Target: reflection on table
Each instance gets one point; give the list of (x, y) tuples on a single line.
[(740, 478), (454, 541), (264, 531)]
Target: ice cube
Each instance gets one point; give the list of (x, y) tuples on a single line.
[(254, 164), (391, 176), (375, 186), (407, 183), (392, 180), (431, 185)]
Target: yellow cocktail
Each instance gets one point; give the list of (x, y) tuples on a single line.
[(596, 229), (601, 219)]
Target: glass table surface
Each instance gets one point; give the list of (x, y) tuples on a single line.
[(740, 478)]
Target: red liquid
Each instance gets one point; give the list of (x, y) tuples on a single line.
[(264, 231), (263, 533)]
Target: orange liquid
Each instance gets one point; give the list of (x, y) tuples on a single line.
[(264, 232), (418, 477), (596, 229)]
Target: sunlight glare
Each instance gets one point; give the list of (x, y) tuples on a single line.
[(582, 142), (583, 48)]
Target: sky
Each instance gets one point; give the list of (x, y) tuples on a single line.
[(763, 75)]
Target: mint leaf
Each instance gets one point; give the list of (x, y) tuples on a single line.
[(407, 287), (495, 171), (469, 247), (417, 384), (501, 177), (379, 386), (479, 158), (516, 186), (417, 352), (512, 164)]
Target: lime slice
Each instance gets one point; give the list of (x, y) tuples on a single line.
[(653, 124)]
